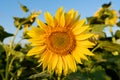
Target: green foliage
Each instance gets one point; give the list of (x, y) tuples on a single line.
[(25, 35), (43, 74), (25, 21), (118, 24), (117, 34), (94, 20), (4, 34), (89, 71), (19, 22), (98, 29), (106, 5), (109, 46), (1, 49)]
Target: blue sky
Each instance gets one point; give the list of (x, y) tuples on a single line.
[(10, 8)]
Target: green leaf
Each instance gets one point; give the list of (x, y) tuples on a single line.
[(18, 21), (18, 47), (106, 5), (118, 24), (1, 28), (109, 46), (94, 73), (94, 20), (98, 73), (22, 22), (4, 34), (25, 35), (98, 58), (1, 49), (18, 54), (44, 74), (118, 66), (76, 76), (24, 8), (117, 34), (98, 29)]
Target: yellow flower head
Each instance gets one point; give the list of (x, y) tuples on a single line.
[(34, 15), (109, 16), (61, 42)]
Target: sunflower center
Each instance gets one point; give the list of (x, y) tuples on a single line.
[(61, 42)]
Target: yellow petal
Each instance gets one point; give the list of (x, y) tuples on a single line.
[(37, 42), (65, 66), (37, 37), (49, 19), (72, 19), (85, 51), (84, 36), (54, 61), (79, 53), (75, 22), (58, 13), (44, 58), (77, 58), (69, 16), (60, 17), (36, 50), (59, 65), (47, 60), (71, 62), (85, 43), (79, 29), (35, 32), (42, 25), (78, 26), (62, 20)]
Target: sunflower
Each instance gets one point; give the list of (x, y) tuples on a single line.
[(31, 18), (61, 42), (113, 19), (109, 16)]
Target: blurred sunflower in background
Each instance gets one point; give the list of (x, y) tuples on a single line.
[(107, 15), (31, 18), (61, 42)]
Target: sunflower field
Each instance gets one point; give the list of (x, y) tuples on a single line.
[(63, 47)]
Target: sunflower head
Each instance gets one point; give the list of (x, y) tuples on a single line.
[(109, 16), (34, 15), (61, 42)]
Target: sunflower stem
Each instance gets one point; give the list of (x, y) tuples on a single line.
[(96, 48), (6, 70), (58, 78), (15, 34), (9, 61), (113, 38), (10, 64)]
